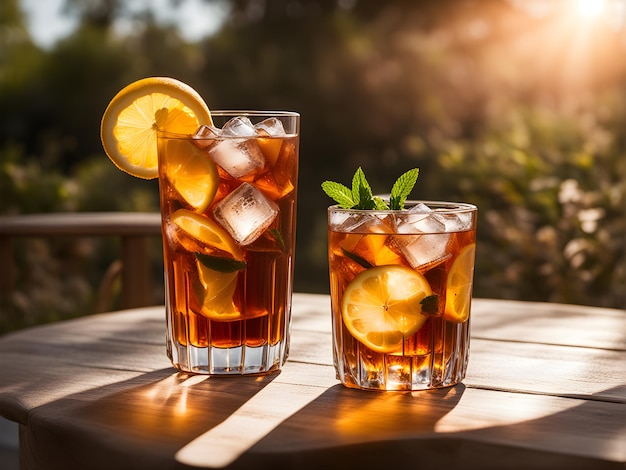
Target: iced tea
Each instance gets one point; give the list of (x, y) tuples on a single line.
[(228, 203), (401, 286)]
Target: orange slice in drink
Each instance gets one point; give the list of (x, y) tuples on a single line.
[(459, 286), (132, 118), (219, 289), (375, 248), (382, 306), (191, 171), (205, 231), (270, 148)]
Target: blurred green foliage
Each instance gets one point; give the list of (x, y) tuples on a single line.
[(520, 113)]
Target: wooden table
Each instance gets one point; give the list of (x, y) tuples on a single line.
[(546, 389)]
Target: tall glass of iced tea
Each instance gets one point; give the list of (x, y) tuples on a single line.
[(228, 206), (401, 285)]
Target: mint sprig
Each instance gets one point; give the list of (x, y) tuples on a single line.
[(360, 195)]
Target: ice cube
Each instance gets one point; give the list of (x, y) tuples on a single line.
[(421, 219), (428, 246), (270, 127), (245, 213), (206, 132), (238, 157), (457, 222), (345, 221), (419, 208), (239, 126), (422, 223), (424, 251), (361, 223), (337, 219)]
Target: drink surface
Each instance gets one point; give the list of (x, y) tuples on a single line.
[(228, 256), (425, 345)]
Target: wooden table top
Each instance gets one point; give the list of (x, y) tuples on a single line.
[(546, 389)]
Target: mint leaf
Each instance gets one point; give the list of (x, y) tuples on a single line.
[(402, 188), (279, 238), (367, 203), (380, 204), (340, 193), (357, 259), (361, 191), (359, 187), (430, 305), (223, 265)]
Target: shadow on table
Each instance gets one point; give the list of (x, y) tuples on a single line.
[(594, 426), (145, 421), (347, 428), (387, 430), (138, 423)]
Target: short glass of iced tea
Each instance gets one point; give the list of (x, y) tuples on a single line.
[(401, 288), (228, 206)]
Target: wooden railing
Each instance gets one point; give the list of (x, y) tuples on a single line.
[(133, 228)]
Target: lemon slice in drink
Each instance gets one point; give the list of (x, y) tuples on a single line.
[(381, 306), (459, 286), (219, 288), (206, 232), (132, 118), (191, 171)]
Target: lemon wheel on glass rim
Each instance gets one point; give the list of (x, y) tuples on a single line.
[(382, 306), (135, 114)]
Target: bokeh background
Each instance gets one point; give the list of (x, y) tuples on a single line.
[(517, 106)]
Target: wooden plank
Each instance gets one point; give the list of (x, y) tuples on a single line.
[(549, 323), (548, 369), (511, 321)]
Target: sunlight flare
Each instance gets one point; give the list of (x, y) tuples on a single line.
[(590, 9)]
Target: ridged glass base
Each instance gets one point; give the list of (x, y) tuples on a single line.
[(444, 365), (227, 361), (235, 361)]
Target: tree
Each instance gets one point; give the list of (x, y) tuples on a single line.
[(483, 97)]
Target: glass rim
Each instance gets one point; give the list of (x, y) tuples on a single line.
[(448, 207), (161, 134), (252, 112)]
